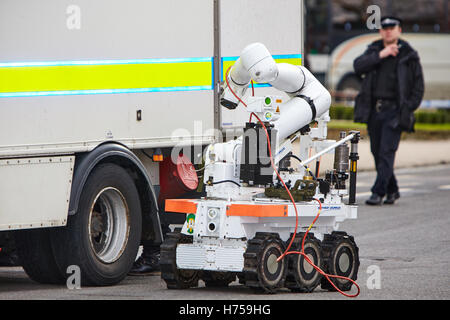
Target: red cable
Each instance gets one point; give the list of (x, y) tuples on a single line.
[(326, 275), (228, 84), (239, 99), (281, 179), (253, 94), (271, 161), (287, 252)]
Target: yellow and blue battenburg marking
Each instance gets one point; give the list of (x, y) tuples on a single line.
[(23, 79), (29, 79)]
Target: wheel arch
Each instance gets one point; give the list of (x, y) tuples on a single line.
[(113, 152)]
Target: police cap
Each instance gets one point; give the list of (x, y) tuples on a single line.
[(390, 21)]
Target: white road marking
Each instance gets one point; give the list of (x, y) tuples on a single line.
[(405, 176), (446, 187), (365, 194), (363, 184), (410, 184)]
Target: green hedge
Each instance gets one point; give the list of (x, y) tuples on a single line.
[(422, 116), (341, 113), (436, 116)]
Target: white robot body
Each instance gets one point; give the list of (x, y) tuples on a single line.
[(245, 222)]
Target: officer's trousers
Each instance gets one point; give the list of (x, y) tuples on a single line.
[(384, 140)]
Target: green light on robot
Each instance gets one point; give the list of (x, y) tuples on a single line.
[(268, 101)]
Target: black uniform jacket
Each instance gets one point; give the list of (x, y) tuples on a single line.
[(410, 83)]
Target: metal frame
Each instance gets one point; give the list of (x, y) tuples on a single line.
[(217, 65)]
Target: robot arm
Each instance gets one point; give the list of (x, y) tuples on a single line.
[(308, 103), (255, 63), (309, 99)]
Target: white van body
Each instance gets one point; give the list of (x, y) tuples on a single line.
[(88, 83)]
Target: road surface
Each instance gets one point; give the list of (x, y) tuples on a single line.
[(404, 252)]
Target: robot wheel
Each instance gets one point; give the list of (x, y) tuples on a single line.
[(261, 269), (341, 257), (302, 276), (176, 278)]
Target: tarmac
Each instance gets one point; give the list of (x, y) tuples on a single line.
[(403, 250), (411, 153)]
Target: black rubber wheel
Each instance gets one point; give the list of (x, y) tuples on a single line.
[(261, 270), (302, 276), (341, 256), (176, 278), (103, 237), (36, 256), (217, 278)]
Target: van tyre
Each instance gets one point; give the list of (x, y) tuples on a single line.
[(36, 256), (103, 237), (341, 256)]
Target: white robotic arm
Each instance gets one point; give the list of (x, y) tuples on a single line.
[(254, 63), (309, 102), (309, 99)]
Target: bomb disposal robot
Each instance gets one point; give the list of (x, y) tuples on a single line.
[(248, 220)]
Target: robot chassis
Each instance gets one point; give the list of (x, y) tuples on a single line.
[(246, 221)]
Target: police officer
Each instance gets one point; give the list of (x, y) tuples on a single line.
[(392, 89)]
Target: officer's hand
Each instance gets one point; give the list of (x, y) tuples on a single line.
[(390, 50)]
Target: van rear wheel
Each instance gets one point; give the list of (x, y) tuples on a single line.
[(103, 237)]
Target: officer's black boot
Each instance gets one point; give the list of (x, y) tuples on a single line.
[(374, 200), (146, 265), (391, 197)]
